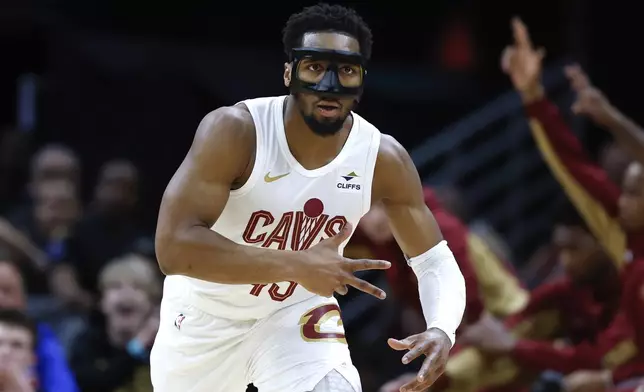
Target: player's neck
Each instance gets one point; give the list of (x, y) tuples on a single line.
[(311, 150)]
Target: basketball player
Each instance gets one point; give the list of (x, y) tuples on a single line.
[(253, 224)]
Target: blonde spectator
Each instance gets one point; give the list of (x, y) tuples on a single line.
[(114, 353)]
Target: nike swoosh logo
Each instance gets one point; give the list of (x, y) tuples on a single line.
[(268, 177)]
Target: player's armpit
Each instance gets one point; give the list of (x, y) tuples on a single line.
[(222, 150), (397, 184)]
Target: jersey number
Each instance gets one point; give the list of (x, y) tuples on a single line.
[(275, 292)]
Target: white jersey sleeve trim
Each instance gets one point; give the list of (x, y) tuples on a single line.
[(260, 156), (370, 168)]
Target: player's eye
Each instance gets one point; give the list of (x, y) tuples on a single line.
[(348, 70), (314, 67)]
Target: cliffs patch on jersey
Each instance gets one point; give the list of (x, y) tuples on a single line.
[(293, 230), (350, 182)]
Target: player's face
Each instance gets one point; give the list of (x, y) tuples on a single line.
[(631, 201), (325, 113), (579, 253)]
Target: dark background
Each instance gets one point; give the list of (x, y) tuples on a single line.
[(134, 78)]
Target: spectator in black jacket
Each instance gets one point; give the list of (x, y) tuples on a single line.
[(113, 353)]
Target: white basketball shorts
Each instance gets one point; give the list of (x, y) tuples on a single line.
[(291, 350)]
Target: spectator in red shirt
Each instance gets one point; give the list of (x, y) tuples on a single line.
[(574, 309), (490, 284), (615, 216)]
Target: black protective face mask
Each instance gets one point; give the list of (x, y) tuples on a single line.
[(327, 72)]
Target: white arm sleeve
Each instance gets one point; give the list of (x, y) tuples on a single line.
[(441, 287)]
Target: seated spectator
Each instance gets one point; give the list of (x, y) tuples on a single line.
[(110, 227), (113, 354), (49, 210), (55, 210), (576, 308), (564, 319), (51, 367), (17, 343), (51, 162), (55, 294)]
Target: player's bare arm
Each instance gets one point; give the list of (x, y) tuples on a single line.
[(217, 162), (398, 186), (441, 284), (221, 151)]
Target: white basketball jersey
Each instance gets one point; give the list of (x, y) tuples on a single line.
[(284, 206)]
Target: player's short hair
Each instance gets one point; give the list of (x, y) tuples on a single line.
[(567, 215), (17, 319), (325, 17)]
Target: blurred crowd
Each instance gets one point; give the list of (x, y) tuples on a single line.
[(581, 328), (80, 288)]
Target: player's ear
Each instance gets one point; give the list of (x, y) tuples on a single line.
[(287, 74)]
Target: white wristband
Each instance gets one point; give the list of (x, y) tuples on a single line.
[(441, 287)]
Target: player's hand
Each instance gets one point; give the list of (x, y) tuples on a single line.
[(590, 101), (587, 381), (523, 63), (489, 335), (434, 344), (323, 271)]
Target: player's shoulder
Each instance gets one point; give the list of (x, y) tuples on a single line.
[(395, 172), (391, 154), (230, 119), (227, 124)]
